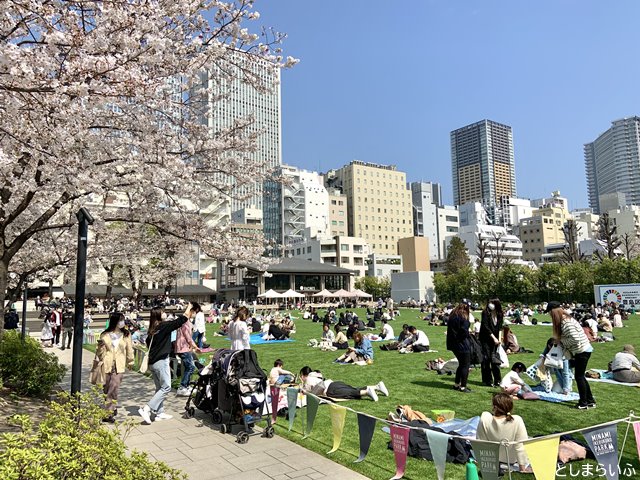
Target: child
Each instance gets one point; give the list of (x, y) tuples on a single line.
[(512, 383), (279, 375)]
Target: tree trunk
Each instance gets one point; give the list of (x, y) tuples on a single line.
[(4, 271), (50, 291), (109, 283)]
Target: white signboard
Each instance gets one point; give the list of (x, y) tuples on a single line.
[(623, 294)]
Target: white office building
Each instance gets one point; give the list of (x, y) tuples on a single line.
[(426, 198), (448, 227), (499, 246)]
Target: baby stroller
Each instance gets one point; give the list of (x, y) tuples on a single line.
[(204, 395), (241, 395)]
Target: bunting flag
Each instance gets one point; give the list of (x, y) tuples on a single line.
[(275, 399), (400, 442), (636, 429), (366, 427), (292, 401), (543, 455), (439, 444), (312, 410), (603, 442), (487, 456), (338, 414)]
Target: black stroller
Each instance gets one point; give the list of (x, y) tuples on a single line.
[(233, 389)]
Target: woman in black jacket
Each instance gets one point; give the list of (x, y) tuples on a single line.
[(159, 343), (492, 318), (458, 341)]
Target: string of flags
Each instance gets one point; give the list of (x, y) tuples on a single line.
[(602, 440)]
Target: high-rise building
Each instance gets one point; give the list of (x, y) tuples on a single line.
[(338, 208), (379, 203), (482, 164), (612, 163), (426, 197), (230, 100)]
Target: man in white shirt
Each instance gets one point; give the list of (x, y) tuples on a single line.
[(593, 326), (387, 330), (418, 341), (625, 366)]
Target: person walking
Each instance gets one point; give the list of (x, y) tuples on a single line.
[(116, 353), (239, 331), (184, 347), (159, 343), (458, 341), (576, 345), (198, 324), (489, 336), (67, 327)]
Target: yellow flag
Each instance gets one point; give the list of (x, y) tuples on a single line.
[(543, 456), (338, 415)]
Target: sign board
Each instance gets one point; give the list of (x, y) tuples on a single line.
[(622, 294)]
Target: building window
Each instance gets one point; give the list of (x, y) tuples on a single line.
[(344, 247), (298, 251), (308, 249), (344, 260)]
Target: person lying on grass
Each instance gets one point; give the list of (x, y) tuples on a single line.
[(314, 382), (362, 351)]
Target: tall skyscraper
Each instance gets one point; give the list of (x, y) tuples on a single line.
[(482, 164), (231, 99), (378, 203), (612, 163)]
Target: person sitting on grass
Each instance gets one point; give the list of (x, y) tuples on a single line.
[(275, 332), (625, 366), (500, 424), (340, 342), (387, 331), (362, 351), (416, 342), (512, 384), (327, 335), (278, 375), (314, 382)]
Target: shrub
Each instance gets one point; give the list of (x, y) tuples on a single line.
[(71, 443), (26, 368)]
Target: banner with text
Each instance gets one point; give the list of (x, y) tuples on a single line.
[(542, 457), (400, 443), (487, 457), (604, 444)]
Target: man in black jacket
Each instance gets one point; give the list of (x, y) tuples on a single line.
[(67, 327)]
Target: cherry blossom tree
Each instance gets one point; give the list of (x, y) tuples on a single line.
[(103, 100)]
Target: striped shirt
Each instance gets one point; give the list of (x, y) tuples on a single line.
[(573, 337)]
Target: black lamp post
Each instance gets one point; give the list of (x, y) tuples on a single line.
[(84, 220)]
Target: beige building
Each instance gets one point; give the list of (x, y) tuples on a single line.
[(415, 254), (338, 212), (379, 206), (542, 229)]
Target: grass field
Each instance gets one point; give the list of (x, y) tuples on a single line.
[(409, 383)]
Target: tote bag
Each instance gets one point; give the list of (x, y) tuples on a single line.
[(553, 359), (144, 365), (97, 375)]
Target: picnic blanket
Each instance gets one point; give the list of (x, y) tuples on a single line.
[(256, 339), (607, 377), (554, 397)]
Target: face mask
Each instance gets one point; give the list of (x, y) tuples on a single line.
[(121, 324), (491, 306), (163, 316)]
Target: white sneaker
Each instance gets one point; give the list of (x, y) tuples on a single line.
[(382, 388), (163, 416), (145, 413), (371, 391), (183, 392)]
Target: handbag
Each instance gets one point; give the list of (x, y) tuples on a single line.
[(553, 359), (495, 358), (144, 365), (97, 375)]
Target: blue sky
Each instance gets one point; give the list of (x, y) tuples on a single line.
[(386, 81)]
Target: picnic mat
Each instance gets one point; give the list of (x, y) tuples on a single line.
[(555, 397), (256, 339), (457, 426), (607, 377)]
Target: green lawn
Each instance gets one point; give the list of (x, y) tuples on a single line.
[(409, 383)]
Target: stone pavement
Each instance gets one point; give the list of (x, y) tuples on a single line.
[(196, 448)]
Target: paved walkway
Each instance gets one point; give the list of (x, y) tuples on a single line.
[(195, 447)]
